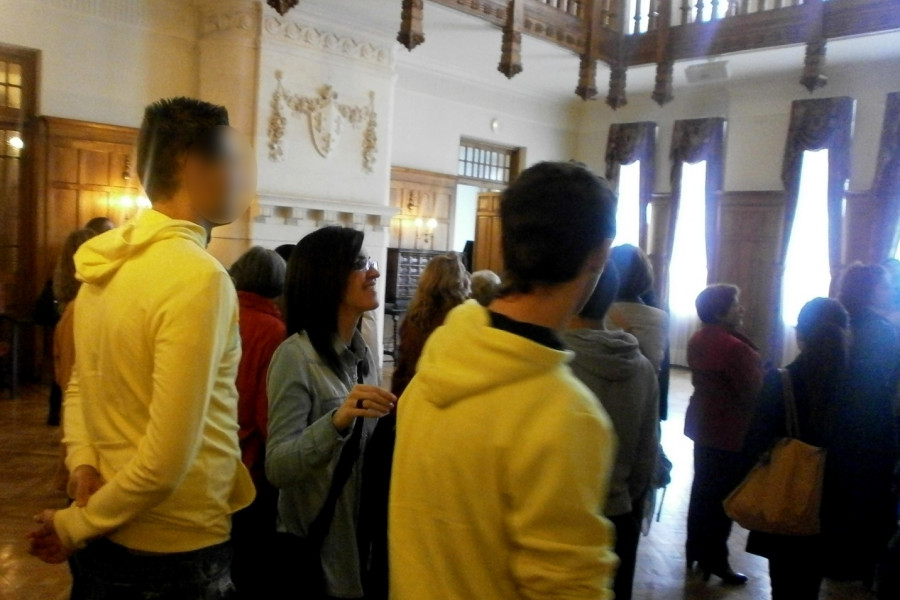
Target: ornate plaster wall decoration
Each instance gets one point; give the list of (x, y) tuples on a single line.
[(292, 32), (327, 118)]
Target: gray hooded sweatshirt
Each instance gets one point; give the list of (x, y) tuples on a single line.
[(610, 363)]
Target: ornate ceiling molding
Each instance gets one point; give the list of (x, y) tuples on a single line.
[(235, 19), (307, 36)]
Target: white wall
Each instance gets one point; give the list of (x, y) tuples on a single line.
[(758, 113), (432, 110), (105, 60), (464, 215)]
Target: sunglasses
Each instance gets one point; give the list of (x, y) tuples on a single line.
[(365, 263)]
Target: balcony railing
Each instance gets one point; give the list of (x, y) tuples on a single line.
[(645, 16), (571, 7)]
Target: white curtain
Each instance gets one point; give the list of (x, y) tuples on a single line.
[(628, 214), (688, 270), (807, 272)]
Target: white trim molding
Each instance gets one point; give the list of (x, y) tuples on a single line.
[(282, 209)]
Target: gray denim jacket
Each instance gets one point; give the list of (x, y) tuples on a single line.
[(303, 448)]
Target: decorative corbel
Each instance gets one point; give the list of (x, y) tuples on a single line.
[(662, 90), (813, 78), (282, 6), (587, 78), (511, 48), (616, 97), (411, 33)]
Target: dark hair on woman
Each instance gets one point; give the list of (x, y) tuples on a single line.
[(553, 216), (858, 286), (259, 271), (604, 294), (100, 225), (314, 287), (171, 128), (65, 284), (285, 251), (714, 302), (823, 330), (635, 272)]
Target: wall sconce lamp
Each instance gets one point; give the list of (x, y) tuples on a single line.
[(427, 236)]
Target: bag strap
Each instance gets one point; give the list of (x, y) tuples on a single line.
[(320, 526), (792, 420)]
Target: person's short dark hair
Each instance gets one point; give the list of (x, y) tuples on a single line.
[(100, 225), (171, 128), (553, 215), (260, 272), (604, 294), (714, 302), (635, 272), (285, 251), (858, 286)]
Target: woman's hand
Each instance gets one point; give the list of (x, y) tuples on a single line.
[(363, 401)]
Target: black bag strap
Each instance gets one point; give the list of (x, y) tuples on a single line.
[(318, 529), (791, 418)]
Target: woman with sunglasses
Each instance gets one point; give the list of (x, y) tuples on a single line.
[(324, 401)]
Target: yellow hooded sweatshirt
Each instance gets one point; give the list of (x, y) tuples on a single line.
[(152, 403), (500, 472)]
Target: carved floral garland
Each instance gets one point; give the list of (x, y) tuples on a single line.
[(326, 119)]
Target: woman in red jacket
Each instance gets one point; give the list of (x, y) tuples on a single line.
[(259, 279), (727, 377)]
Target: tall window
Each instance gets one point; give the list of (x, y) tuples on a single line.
[(628, 214), (807, 272), (688, 267)]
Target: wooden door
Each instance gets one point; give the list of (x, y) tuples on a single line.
[(488, 252)]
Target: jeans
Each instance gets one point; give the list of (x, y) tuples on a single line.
[(108, 571), (628, 535)]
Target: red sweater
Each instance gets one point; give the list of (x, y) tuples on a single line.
[(262, 331), (727, 377)]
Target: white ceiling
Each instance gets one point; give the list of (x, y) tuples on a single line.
[(463, 45)]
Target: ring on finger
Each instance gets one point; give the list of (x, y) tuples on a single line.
[(359, 403)]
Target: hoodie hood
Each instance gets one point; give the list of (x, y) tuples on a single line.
[(467, 356), (611, 355), (98, 259)]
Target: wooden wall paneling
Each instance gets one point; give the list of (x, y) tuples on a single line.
[(750, 225), (656, 237), (861, 222), (79, 173), (425, 195)]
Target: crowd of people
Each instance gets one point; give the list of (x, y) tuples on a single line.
[(227, 434)]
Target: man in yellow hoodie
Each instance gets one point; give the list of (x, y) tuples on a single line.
[(150, 413), (503, 457)]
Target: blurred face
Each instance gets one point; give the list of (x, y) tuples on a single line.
[(881, 298), (221, 182), (591, 272), (361, 294), (734, 318)]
